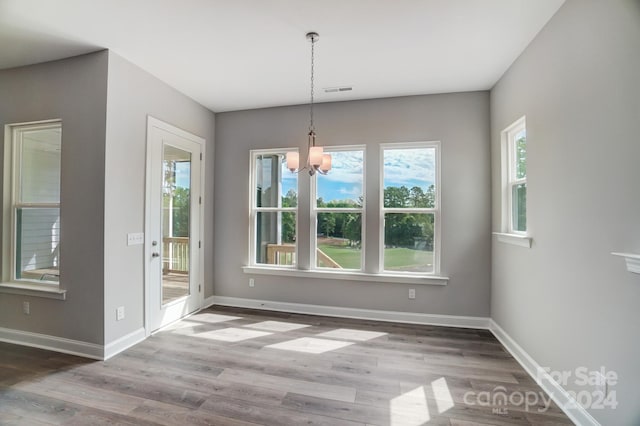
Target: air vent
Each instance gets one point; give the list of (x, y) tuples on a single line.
[(337, 89)]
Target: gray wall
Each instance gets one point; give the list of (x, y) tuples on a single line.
[(567, 301), (459, 121), (133, 94), (74, 90)]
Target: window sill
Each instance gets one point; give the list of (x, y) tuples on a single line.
[(632, 261), (351, 276), (35, 290), (514, 239)]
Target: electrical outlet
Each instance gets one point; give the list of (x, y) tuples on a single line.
[(120, 313), (252, 283), (412, 293), (26, 308)]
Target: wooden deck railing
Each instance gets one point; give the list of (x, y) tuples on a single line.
[(326, 261), (281, 254), (175, 255), (284, 254)]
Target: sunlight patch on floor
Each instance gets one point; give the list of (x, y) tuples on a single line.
[(443, 397), (410, 408), (213, 318), (310, 345), (349, 334), (183, 327), (232, 334), (276, 326)]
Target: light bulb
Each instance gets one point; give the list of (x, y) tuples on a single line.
[(293, 160), (315, 156), (326, 163)]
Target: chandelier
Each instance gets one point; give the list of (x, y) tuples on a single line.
[(317, 160)]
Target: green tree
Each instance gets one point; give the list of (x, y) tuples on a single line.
[(181, 198), (352, 229), (288, 219), (329, 224), (395, 196)]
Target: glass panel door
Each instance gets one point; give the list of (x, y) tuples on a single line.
[(173, 271)]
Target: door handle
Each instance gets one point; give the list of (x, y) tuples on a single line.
[(155, 254)]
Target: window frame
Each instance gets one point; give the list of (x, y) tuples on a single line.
[(254, 210), (510, 180), (436, 210), (12, 180), (314, 210)]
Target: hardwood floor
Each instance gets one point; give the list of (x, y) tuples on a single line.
[(227, 366)]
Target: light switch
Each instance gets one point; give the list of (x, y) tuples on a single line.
[(135, 238)]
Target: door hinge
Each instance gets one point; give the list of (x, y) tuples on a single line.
[(200, 156), (200, 200), (199, 288), (199, 244)]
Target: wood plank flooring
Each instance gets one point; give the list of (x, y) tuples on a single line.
[(228, 366)]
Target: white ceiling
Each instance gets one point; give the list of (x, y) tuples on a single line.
[(241, 54)]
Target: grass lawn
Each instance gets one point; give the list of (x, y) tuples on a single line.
[(400, 259), (404, 259), (348, 258)]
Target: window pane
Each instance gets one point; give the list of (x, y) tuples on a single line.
[(276, 238), (276, 186), (40, 166), (520, 142), (38, 243), (342, 187), (409, 177), (339, 237), (520, 207), (408, 242), (176, 208)]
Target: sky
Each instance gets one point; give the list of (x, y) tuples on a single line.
[(408, 167), (183, 173)]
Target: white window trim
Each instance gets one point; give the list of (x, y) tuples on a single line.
[(437, 211), (314, 210), (348, 275), (253, 211), (9, 283), (507, 234)]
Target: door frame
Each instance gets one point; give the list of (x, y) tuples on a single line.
[(152, 123)]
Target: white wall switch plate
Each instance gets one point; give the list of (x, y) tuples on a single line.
[(252, 283), (135, 238), (412, 293), (120, 313), (26, 308)]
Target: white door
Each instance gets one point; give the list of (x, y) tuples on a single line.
[(173, 214)]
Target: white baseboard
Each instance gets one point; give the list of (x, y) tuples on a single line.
[(52, 343), (209, 301), (124, 342), (369, 314), (560, 396)]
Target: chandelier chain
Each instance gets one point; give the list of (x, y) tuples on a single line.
[(311, 126)]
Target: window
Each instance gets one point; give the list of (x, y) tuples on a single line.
[(274, 205), (515, 187), (410, 207), (337, 211), (32, 189), (407, 218)]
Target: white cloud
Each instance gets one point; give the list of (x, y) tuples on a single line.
[(409, 166), (346, 167)]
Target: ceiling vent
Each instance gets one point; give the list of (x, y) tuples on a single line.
[(337, 89)]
